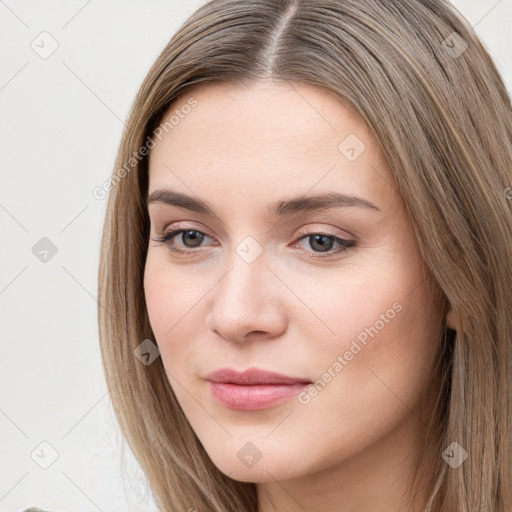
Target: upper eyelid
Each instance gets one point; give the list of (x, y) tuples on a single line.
[(343, 233), (177, 225)]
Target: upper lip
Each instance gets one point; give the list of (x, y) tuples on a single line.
[(252, 376)]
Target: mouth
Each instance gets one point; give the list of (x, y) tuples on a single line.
[(253, 389)]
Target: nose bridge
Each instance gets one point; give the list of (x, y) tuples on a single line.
[(247, 263), (243, 300), (244, 283)]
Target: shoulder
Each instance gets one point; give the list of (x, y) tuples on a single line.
[(34, 509)]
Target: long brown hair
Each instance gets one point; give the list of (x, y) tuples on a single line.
[(430, 93)]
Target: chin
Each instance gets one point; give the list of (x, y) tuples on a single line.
[(244, 469)]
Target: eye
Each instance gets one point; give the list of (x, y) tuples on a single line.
[(322, 242), (191, 236)]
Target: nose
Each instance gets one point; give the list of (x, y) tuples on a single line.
[(247, 303)]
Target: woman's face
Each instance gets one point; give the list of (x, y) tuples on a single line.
[(269, 282)]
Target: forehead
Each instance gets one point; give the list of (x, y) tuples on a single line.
[(275, 137)]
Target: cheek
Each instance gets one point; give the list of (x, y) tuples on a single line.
[(164, 293), (381, 321), (387, 337), (174, 300)]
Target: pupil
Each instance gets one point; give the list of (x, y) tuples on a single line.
[(196, 237), (322, 245)]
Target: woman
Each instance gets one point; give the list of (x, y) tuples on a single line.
[(305, 280)]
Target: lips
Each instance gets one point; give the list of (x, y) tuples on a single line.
[(253, 376), (253, 388)]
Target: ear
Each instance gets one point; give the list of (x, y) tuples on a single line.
[(450, 320)]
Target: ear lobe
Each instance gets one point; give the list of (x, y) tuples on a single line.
[(450, 320)]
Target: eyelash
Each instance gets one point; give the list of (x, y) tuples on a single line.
[(345, 243)]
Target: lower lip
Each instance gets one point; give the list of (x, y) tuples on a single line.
[(250, 398)]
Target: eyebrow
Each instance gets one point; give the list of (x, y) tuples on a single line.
[(277, 209)]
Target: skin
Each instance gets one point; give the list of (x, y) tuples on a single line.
[(353, 445)]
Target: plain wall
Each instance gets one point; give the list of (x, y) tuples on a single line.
[(61, 122)]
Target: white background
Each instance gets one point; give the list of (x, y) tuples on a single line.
[(61, 122)]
